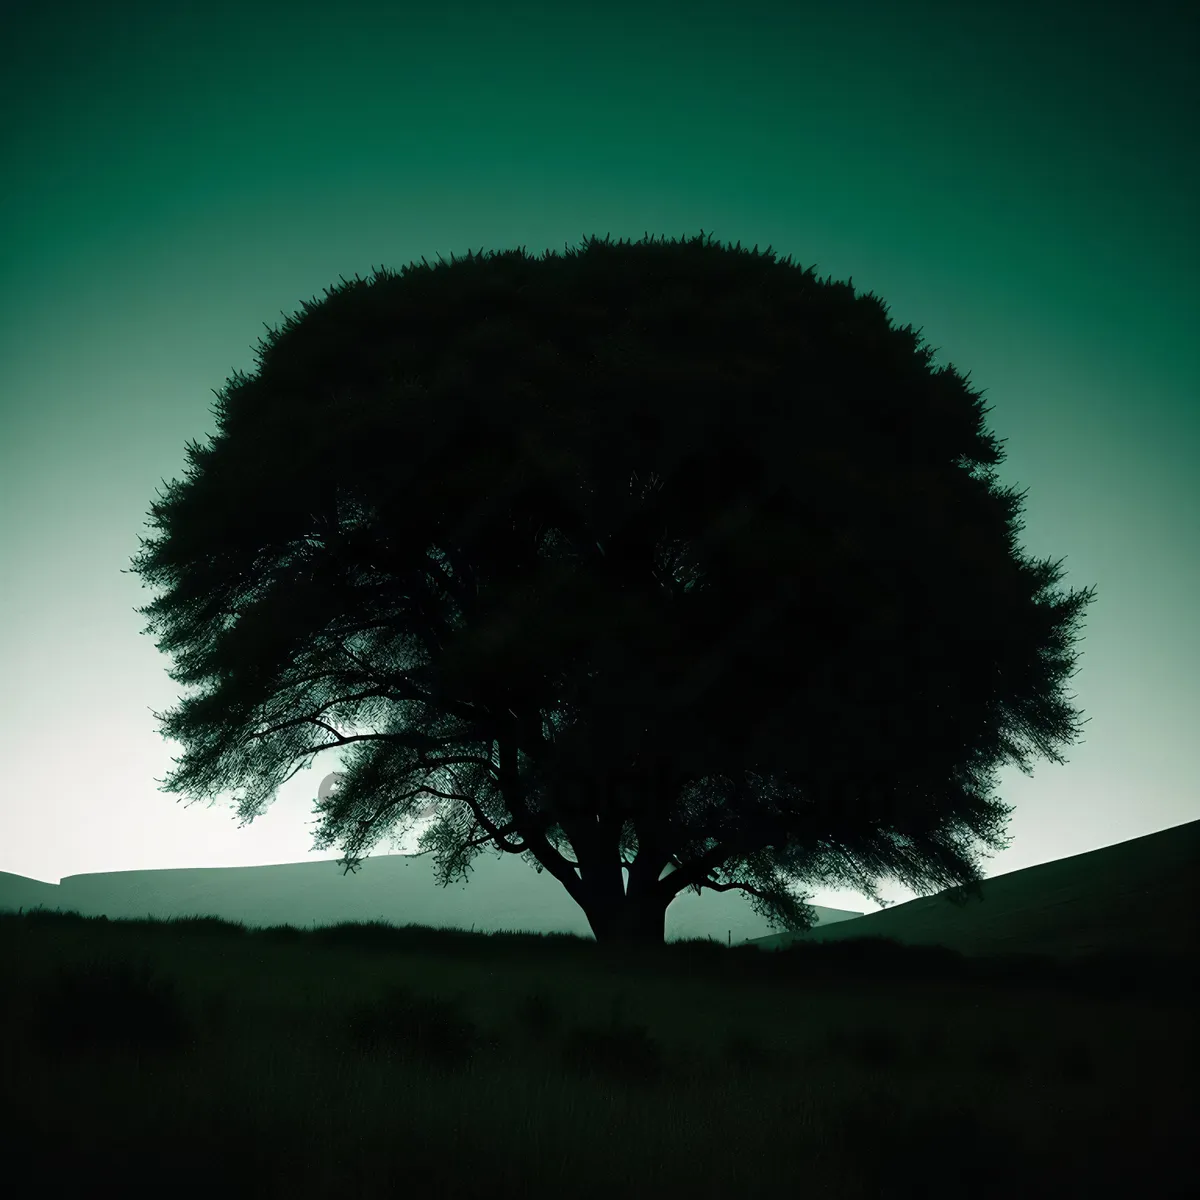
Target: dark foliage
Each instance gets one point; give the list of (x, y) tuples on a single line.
[(103, 1006), (430, 1030), (620, 1051), (669, 553), (538, 1016)]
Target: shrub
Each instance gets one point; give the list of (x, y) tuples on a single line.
[(746, 1052), (624, 1053), (427, 1029), (872, 1046), (101, 1005), (538, 1016)]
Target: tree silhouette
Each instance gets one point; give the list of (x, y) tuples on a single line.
[(667, 556)]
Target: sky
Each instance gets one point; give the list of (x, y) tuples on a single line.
[(1013, 179)]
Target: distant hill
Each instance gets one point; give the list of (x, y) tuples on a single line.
[(499, 894), (1141, 894)]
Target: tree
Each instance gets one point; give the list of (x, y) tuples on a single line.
[(663, 555)]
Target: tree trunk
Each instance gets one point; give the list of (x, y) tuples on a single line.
[(625, 923), (628, 920), (629, 914)]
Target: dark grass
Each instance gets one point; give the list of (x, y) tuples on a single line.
[(200, 1055)]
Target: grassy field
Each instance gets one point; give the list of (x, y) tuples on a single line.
[(203, 1057)]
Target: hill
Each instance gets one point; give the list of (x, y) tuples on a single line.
[(1138, 895), (499, 894)]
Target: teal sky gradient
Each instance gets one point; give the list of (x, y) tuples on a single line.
[(1018, 181)]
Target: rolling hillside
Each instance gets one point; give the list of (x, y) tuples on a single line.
[(499, 894), (1141, 894)]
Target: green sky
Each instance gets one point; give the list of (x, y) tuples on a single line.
[(1016, 180)]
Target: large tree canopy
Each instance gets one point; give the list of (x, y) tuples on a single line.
[(659, 555)]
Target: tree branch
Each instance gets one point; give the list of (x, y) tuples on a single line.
[(743, 887), (495, 833), (697, 872), (311, 718), (411, 738)]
